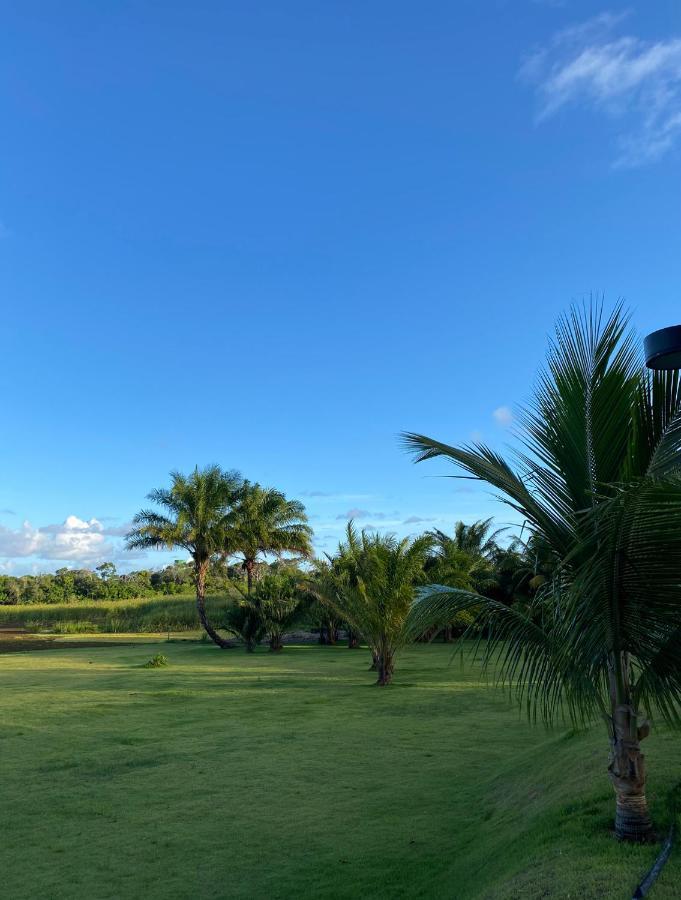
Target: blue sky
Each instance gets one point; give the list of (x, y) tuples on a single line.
[(273, 235)]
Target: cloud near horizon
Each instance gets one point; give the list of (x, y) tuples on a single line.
[(74, 540), (635, 83)]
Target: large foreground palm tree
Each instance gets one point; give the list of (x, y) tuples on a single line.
[(264, 521), (598, 481), (195, 517)]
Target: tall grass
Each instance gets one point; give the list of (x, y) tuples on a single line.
[(146, 614)]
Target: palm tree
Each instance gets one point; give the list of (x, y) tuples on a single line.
[(598, 483), (264, 521), (244, 621), (196, 518), (371, 583), (478, 539), (276, 602)]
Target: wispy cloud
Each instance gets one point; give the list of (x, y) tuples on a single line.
[(503, 415), (415, 520), (635, 83), (8, 512), (334, 495), (357, 513)]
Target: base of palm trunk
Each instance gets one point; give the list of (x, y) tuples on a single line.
[(385, 668), (632, 821), (627, 773)]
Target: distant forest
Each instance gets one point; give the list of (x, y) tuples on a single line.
[(105, 583)]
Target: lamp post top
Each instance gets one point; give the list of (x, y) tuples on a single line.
[(663, 348)]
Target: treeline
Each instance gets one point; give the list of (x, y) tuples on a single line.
[(105, 583)]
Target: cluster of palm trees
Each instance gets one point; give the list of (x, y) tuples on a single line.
[(370, 584), (217, 514), (582, 620)]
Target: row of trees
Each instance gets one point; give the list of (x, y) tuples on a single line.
[(105, 583)]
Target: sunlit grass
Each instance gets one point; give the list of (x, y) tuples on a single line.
[(289, 775), (146, 614)]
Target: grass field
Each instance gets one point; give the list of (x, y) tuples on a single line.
[(291, 776)]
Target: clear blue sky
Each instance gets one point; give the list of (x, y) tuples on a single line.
[(275, 234)]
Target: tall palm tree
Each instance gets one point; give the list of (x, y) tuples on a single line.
[(195, 517), (264, 521), (598, 482), (371, 583)]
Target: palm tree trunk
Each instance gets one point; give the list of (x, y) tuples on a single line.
[(249, 565), (628, 776), (353, 639), (276, 643), (201, 572), (385, 668), (374, 661)]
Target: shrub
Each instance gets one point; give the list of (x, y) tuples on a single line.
[(156, 662)]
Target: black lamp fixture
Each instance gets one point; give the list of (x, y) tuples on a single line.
[(663, 348)]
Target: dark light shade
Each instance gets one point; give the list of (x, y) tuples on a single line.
[(663, 348)]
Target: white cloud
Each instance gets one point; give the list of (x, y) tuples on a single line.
[(503, 416), (75, 540), (633, 82)]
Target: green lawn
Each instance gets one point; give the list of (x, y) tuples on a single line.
[(291, 776)]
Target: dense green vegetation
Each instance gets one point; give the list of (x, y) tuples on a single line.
[(288, 775), (104, 583)]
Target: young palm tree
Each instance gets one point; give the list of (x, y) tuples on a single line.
[(194, 518), (371, 584), (276, 602), (598, 482), (244, 621), (264, 521)]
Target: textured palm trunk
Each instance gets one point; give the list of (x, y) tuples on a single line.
[(250, 566), (374, 661), (276, 643), (628, 776), (201, 572), (627, 764), (353, 639), (385, 667)]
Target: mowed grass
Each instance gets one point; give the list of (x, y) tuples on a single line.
[(292, 776)]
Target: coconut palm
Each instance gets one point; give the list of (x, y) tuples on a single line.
[(478, 538), (264, 521), (371, 583), (598, 482), (194, 518)]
